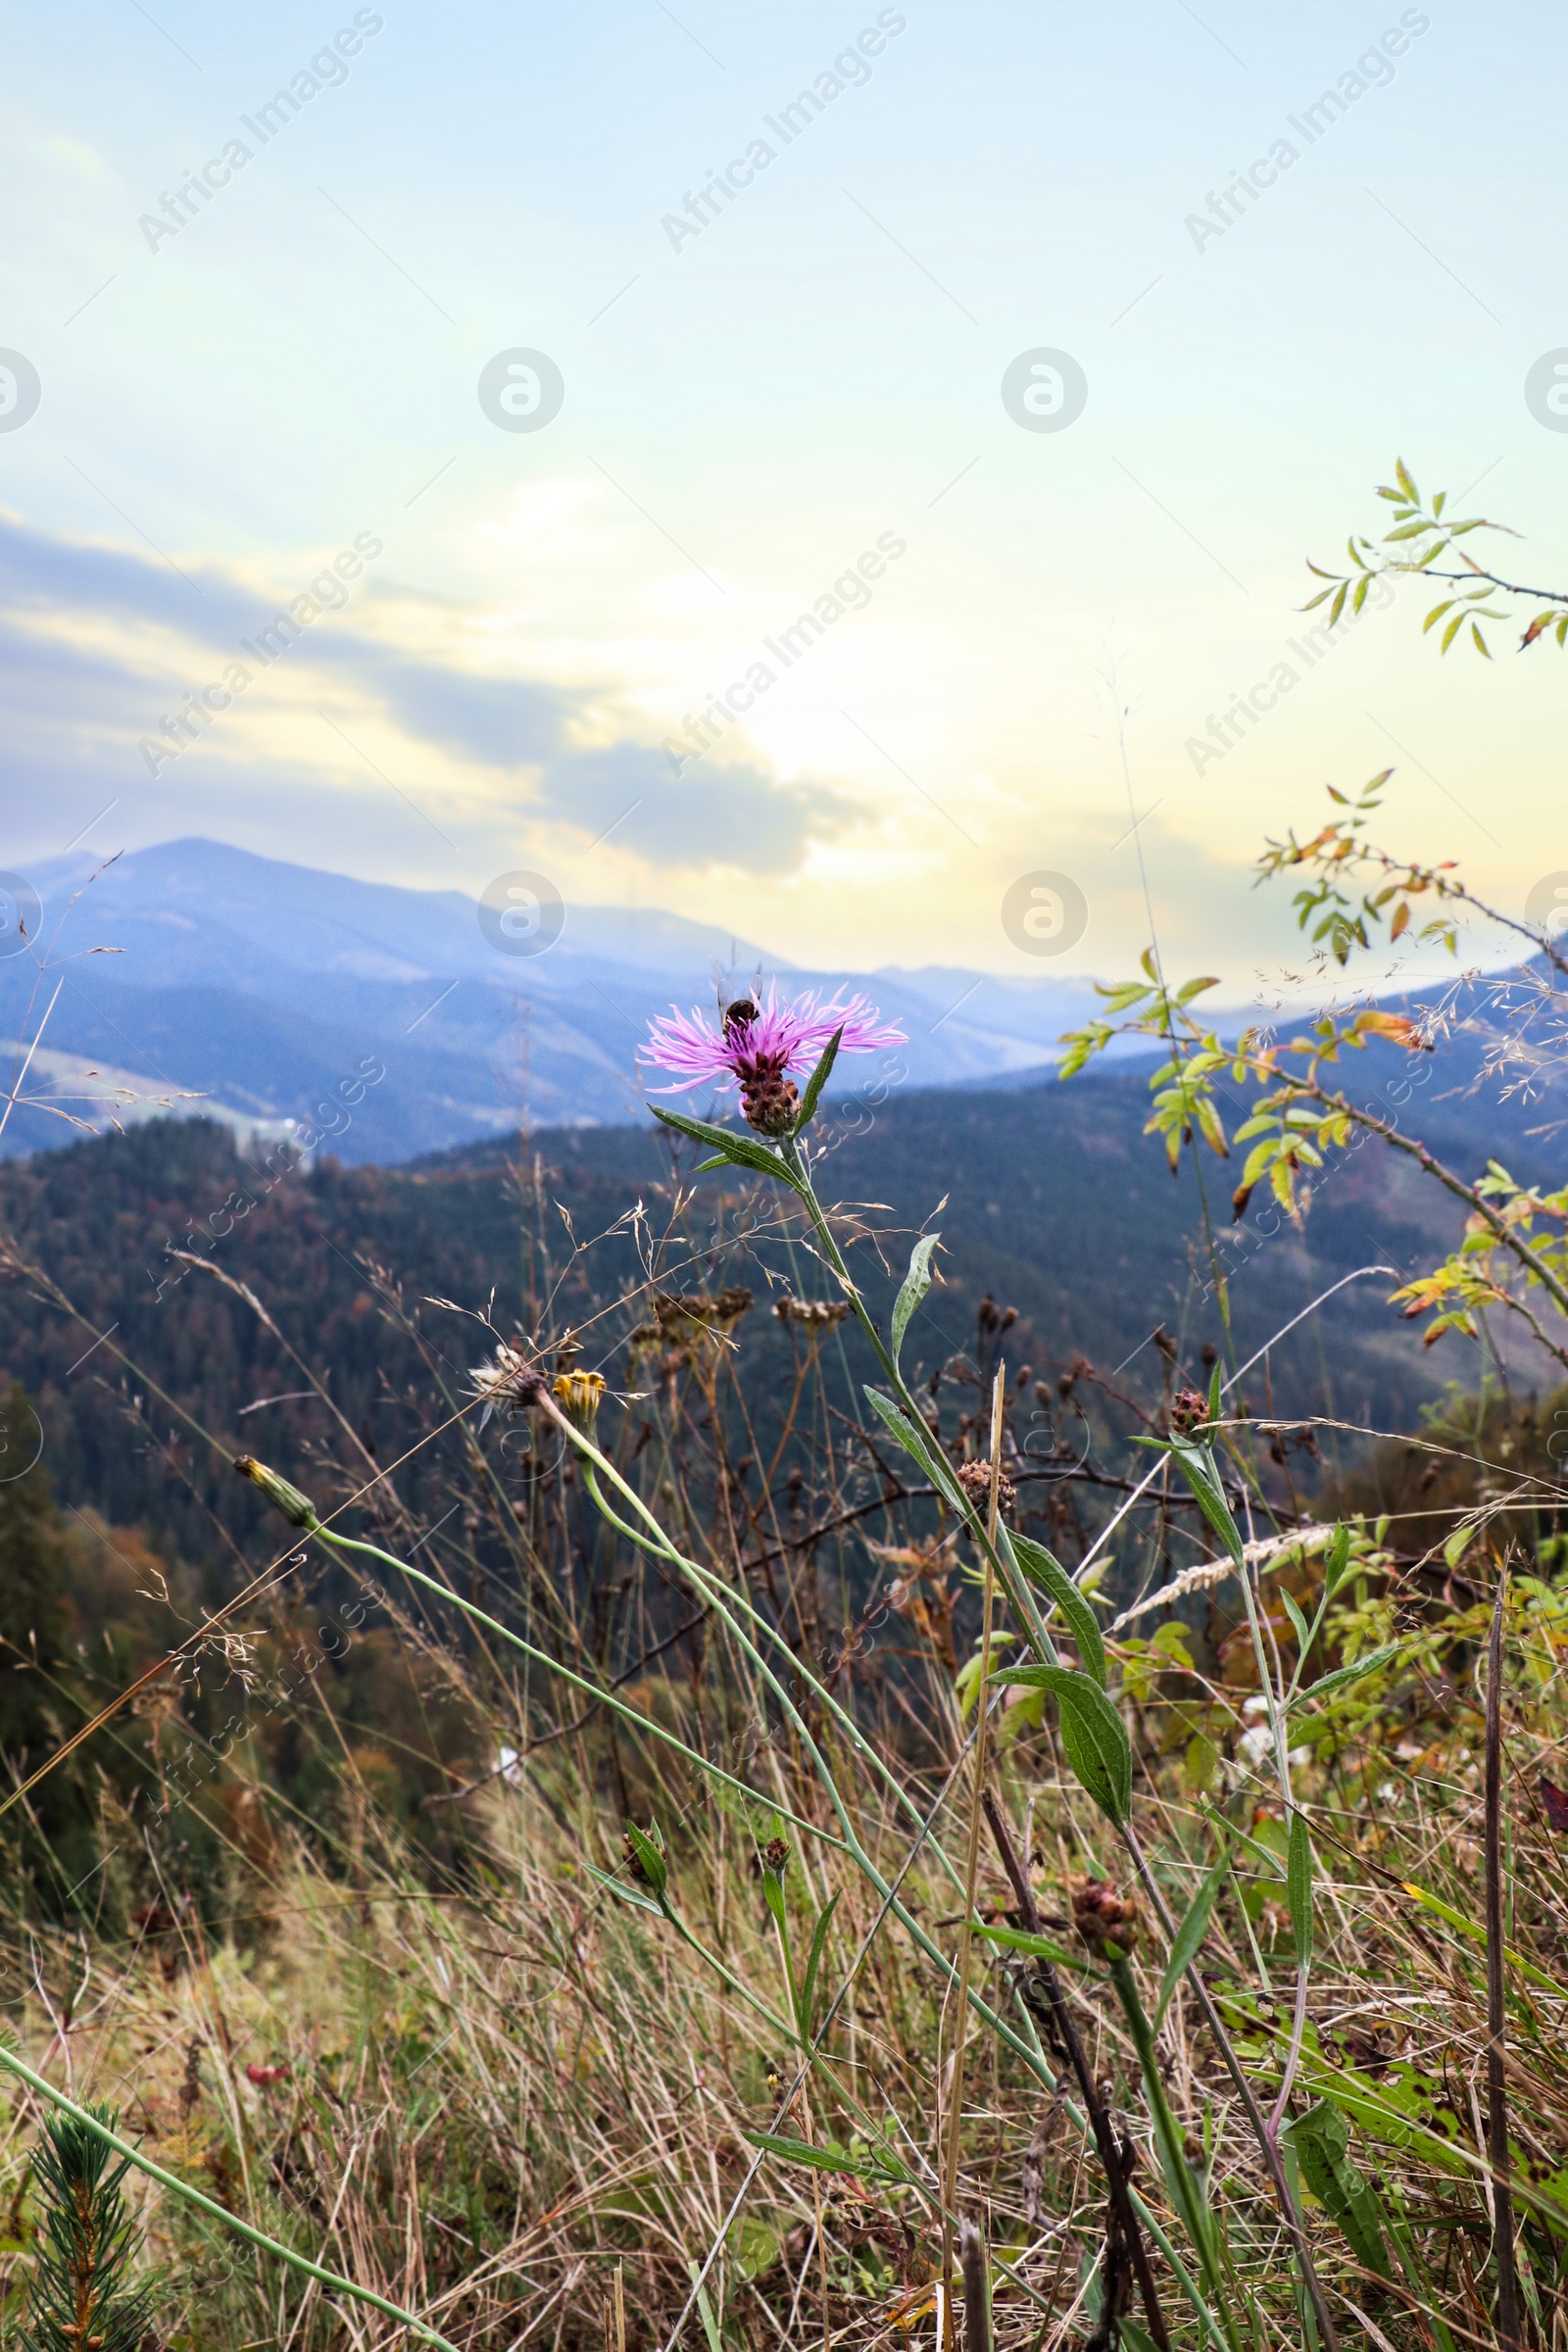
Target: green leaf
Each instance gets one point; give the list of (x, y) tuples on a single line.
[(1197, 1464), (739, 1149), (1341, 1675), (754, 2246), (1039, 1947), (1189, 1936), (1299, 1887), (1401, 475), (773, 1897), (801, 2151), (1303, 1637), (914, 1288), (815, 1083), (627, 1894), (710, 2319), (916, 1439), (651, 1856), (1320, 2139), (813, 1961), (1093, 1734), (1214, 1395), (1042, 1568)]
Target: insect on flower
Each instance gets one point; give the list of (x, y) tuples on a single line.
[(757, 1044)]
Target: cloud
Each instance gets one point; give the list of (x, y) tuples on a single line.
[(80, 657), (736, 818)]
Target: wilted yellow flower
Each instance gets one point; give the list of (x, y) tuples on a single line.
[(578, 1396)]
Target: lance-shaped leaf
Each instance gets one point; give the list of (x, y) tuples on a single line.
[(1326, 1685), (1039, 1947), (624, 1893), (882, 2166), (916, 1439), (1197, 1466), (1093, 1734), (1321, 2140), (1299, 1885), (650, 1859), (814, 1962), (1189, 1936), (1044, 1569), (815, 1083), (914, 1288), (741, 1150)]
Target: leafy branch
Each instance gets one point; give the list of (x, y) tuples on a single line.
[(1427, 540), (1514, 1255)]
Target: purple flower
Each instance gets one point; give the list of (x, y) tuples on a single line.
[(759, 1045)]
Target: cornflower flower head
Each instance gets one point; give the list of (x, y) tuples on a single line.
[(756, 1045)]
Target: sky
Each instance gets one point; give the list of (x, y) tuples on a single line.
[(541, 438)]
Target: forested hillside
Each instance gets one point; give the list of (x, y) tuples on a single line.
[(1057, 1208)]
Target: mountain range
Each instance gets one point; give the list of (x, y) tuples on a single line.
[(194, 976)]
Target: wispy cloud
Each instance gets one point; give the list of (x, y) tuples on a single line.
[(98, 644)]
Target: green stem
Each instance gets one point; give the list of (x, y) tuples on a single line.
[(848, 1843), (644, 1723), (722, 1597), (1000, 1554), (1184, 2184)]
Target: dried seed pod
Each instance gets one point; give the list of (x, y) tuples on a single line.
[(975, 1480), (1107, 1920)]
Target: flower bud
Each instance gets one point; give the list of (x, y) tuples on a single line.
[(297, 1509), (645, 1856), (1189, 1410), (578, 1394), (776, 1856), (1107, 1920)]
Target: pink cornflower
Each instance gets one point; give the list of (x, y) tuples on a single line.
[(759, 1045)]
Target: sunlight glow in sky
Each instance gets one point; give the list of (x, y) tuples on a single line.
[(786, 620)]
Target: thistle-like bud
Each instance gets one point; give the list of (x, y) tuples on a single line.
[(578, 1394), (1107, 1920), (297, 1509), (1189, 1410), (776, 1856), (770, 1102)]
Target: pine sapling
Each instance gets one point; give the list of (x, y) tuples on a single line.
[(81, 2297)]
